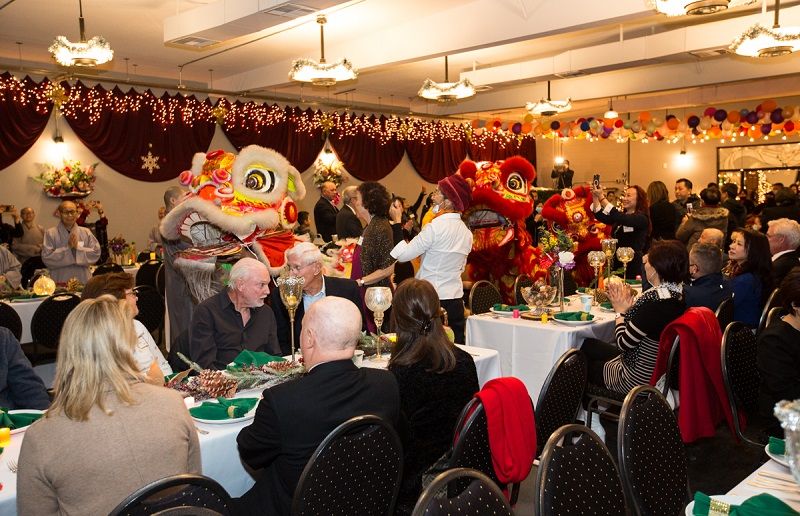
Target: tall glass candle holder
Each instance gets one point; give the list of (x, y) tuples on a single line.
[(291, 290), (609, 246), (596, 260), (378, 300)]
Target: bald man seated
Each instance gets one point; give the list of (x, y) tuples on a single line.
[(294, 417)]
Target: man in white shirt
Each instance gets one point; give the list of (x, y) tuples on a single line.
[(68, 248), (444, 244)]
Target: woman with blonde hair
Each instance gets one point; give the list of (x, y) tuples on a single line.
[(105, 422)]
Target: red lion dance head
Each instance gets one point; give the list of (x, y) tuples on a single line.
[(501, 247), (572, 212)]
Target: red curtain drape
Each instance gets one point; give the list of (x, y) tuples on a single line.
[(438, 159), (138, 129), (21, 124), (364, 156), (275, 128), (483, 148)]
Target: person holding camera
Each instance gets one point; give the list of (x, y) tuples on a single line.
[(631, 226), (7, 231), (562, 175), (709, 215)]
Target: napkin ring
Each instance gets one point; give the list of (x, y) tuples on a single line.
[(718, 508), (232, 414)]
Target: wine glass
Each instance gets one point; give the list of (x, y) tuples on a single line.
[(291, 290), (625, 255), (596, 260), (609, 246), (378, 300)]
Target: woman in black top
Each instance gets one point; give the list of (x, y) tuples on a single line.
[(436, 380), (779, 354), (631, 226), (662, 212)]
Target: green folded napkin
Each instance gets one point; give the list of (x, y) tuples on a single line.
[(14, 421), (607, 305), (574, 316), (633, 281), (760, 505), (777, 446), (255, 358), (499, 307), (225, 408), (580, 290)]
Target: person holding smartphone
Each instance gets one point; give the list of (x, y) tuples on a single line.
[(631, 225)]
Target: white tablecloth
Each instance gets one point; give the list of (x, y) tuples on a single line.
[(218, 447), (529, 349), (744, 489)]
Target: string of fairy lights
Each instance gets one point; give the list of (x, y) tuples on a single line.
[(77, 99)]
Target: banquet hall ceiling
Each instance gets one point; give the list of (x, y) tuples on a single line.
[(590, 51)]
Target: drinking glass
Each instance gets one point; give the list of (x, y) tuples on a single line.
[(378, 300)]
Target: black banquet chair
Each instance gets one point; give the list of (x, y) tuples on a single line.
[(522, 281), (179, 494), (48, 319), (560, 397), (773, 301), (151, 308), (355, 470), (483, 296), (148, 273), (107, 268), (29, 268), (577, 475), (741, 377), (161, 283), (652, 458), (724, 313), (9, 318), (481, 496)]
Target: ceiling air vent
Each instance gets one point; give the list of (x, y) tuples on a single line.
[(289, 10), (194, 42), (571, 73)]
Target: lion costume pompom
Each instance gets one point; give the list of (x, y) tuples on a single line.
[(502, 247), (572, 212)]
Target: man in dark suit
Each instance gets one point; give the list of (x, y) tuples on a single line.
[(325, 211), (784, 238), (347, 223), (305, 259), (294, 417), (708, 287)]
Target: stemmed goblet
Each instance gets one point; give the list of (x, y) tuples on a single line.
[(291, 290), (378, 300), (596, 260), (609, 246), (625, 255)]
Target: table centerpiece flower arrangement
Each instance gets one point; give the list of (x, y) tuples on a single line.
[(70, 181), (121, 250), (557, 256)]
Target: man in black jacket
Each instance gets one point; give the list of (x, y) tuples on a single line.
[(347, 223), (294, 417), (305, 259), (784, 238), (708, 287), (325, 211)]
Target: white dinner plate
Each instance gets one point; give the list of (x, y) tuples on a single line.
[(250, 415), (731, 499), (505, 313), (573, 323), (607, 310), (27, 299), (23, 411), (780, 459)]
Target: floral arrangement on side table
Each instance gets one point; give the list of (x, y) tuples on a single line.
[(71, 180), (327, 170)]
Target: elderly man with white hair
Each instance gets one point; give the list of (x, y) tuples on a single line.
[(294, 417), (235, 319), (784, 239), (348, 224), (306, 260)]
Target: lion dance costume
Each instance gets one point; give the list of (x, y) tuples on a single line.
[(502, 247), (237, 205)]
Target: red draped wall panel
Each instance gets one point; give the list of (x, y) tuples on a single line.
[(122, 138), (365, 157), (20, 124)]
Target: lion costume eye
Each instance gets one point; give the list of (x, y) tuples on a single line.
[(259, 180), (515, 183)]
